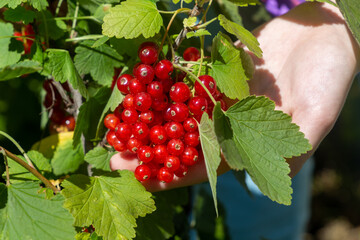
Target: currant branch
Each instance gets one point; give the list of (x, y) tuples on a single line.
[(6, 166)]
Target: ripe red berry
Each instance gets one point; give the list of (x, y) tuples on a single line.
[(129, 115), (123, 83), (190, 125), (174, 130), (119, 145), (133, 144), (175, 147), (160, 103), (111, 121), (154, 167), (163, 69), (148, 52), (223, 104), (69, 123), (155, 89), (189, 156), (180, 92), (111, 137), (142, 101), (209, 83), (158, 134), (144, 73), (147, 117), (172, 163), (192, 139), (158, 118), (123, 131), (191, 54), (178, 112), (167, 83), (218, 95), (145, 154), (198, 105), (142, 173), (140, 130), (118, 111), (135, 86), (165, 175), (181, 171), (160, 153)]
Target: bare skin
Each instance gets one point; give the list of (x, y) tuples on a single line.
[(309, 61)]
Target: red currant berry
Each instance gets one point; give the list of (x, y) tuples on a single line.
[(218, 95), (130, 115), (174, 130), (147, 117), (111, 121), (123, 83), (180, 92), (163, 69), (155, 89), (223, 104), (133, 144), (165, 175), (128, 101), (148, 53), (118, 111), (181, 171), (167, 83), (69, 123), (179, 112), (142, 101), (160, 103), (158, 118), (111, 137), (191, 54), (119, 145), (57, 115), (158, 134), (209, 83), (190, 156), (145, 73), (142, 173), (135, 86), (140, 130), (175, 147), (47, 85), (198, 105), (154, 167), (172, 163), (145, 154), (192, 139), (160, 153), (190, 125), (123, 131)]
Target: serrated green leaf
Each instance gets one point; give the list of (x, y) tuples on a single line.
[(189, 22), (99, 62), (324, 1), (19, 14), (242, 34), (62, 69), (20, 174), (100, 41), (264, 137), (88, 117), (175, 1), (224, 135), (49, 26), (133, 18), (245, 3), (19, 69), (48, 145), (211, 151), (99, 158), (110, 203), (9, 54), (198, 33), (27, 214), (38, 4), (231, 11), (227, 68), (101, 11), (66, 158), (10, 3), (350, 9)]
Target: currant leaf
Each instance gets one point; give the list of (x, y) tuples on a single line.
[(242, 34), (244, 3), (133, 18), (111, 203), (49, 26), (9, 55), (10, 3), (211, 151), (38, 4), (189, 22), (19, 69), (350, 9), (19, 14), (264, 138), (25, 205), (99, 158), (198, 33), (48, 145)]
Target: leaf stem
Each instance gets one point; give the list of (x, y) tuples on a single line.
[(30, 169), (6, 166), (207, 9), (172, 12), (201, 54), (75, 20), (58, 7), (79, 18), (82, 38), (196, 79), (18, 147), (205, 24)]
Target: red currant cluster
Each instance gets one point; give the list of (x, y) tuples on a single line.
[(28, 32), (60, 121), (158, 118)]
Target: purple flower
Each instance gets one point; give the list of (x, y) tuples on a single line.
[(279, 7)]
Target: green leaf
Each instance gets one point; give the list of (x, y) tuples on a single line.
[(9, 55), (350, 9), (93, 5), (198, 33), (50, 27), (10, 3), (19, 69), (19, 14), (188, 1), (100, 42), (242, 34), (66, 158), (38, 4), (264, 137), (99, 62), (88, 117), (224, 135), (133, 18), (62, 69), (245, 3), (27, 214), (231, 11), (19, 174), (99, 158), (227, 68), (211, 151), (189, 22), (324, 1), (175, 1), (109, 202)]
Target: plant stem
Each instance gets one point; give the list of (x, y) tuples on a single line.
[(207, 9), (205, 24), (196, 79), (30, 169), (6, 166), (58, 7), (201, 54), (18, 147), (79, 18), (82, 38), (75, 20)]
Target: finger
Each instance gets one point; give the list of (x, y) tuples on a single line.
[(124, 160)]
